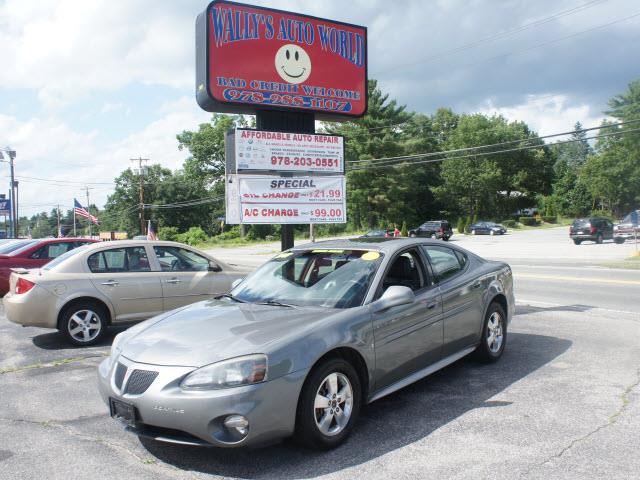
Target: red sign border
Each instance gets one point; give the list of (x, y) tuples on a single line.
[(210, 103)]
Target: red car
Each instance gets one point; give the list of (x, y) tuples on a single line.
[(35, 254)]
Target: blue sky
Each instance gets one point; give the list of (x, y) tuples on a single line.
[(85, 85)]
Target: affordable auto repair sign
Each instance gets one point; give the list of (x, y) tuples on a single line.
[(251, 58)]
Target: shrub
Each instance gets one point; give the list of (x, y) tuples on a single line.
[(509, 223), (193, 236), (168, 233), (528, 221), (550, 219), (461, 225), (403, 231), (603, 213), (233, 232)]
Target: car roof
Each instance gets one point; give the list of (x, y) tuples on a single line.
[(384, 245)]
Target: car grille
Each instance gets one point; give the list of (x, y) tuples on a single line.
[(139, 381), (121, 371)]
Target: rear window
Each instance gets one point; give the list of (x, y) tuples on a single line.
[(17, 245), (581, 222)]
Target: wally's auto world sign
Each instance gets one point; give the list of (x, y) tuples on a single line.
[(253, 58), (287, 152), (268, 199)]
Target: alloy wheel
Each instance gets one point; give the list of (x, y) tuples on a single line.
[(495, 333), (84, 326), (333, 404)]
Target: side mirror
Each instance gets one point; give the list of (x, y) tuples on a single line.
[(236, 282), (392, 297), (214, 267)]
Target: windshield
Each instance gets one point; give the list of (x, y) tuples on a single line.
[(13, 246), (321, 278), (61, 258)]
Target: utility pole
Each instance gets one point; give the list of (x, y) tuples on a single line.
[(141, 177), (86, 189), (58, 215)]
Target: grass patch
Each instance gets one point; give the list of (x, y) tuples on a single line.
[(631, 263), (55, 363), (243, 242)]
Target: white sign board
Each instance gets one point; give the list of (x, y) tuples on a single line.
[(290, 152), (271, 199)]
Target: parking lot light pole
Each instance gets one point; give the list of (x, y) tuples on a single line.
[(12, 215)]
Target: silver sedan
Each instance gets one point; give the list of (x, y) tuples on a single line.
[(86, 289), (301, 344)]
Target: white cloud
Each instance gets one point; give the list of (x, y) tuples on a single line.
[(49, 149), (547, 114)]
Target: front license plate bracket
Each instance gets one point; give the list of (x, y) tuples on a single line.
[(124, 412)]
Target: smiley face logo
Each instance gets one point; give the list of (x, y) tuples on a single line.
[(293, 64)]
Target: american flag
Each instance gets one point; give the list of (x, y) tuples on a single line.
[(151, 233), (83, 212)]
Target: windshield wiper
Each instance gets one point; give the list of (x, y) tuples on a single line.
[(228, 295), (275, 303)]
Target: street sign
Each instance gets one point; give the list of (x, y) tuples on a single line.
[(254, 58), (288, 152), (255, 199), (5, 206)]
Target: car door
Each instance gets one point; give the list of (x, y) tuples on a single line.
[(186, 276), (608, 226), (407, 337), (124, 275), (461, 294)]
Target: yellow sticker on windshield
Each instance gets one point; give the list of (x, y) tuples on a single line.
[(284, 255), (370, 256)]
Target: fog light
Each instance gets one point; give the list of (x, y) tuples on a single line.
[(237, 424)]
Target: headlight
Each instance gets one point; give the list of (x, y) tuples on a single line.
[(234, 372)]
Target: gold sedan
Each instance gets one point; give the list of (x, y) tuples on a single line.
[(83, 291)]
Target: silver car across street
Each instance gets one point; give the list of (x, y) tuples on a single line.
[(303, 342)]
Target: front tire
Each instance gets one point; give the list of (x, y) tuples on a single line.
[(494, 334), (84, 323), (619, 241), (412, 235), (473, 232), (329, 405)]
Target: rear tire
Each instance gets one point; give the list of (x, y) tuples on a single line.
[(577, 242), (329, 405), (494, 335), (619, 241), (84, 323)]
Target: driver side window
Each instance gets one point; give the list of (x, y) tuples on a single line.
[(406, 271)]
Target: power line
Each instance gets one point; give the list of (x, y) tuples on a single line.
[(483, 154), (510, 142), (497, 36)]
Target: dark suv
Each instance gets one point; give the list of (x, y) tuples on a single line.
[(433, 228), (596, 229)]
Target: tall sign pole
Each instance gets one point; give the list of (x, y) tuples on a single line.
[(86, 189), (289, 70)]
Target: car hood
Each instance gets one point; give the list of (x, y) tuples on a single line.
[(214, 330)]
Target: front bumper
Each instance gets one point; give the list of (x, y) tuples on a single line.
[(168, 413), (36, 308)]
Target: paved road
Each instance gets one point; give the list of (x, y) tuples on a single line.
[(563, 403)]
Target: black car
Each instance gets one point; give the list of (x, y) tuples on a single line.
[(487, 228), (434, 228), (595, 229)]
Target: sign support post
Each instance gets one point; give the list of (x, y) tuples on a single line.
[(294, 122)]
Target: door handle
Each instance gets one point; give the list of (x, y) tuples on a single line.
[(476, 285), (110, 283), (431, 306), (173, 280)]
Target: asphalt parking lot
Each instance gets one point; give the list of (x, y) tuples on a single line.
[(564, 401)]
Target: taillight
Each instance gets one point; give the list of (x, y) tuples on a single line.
[(23, 285), (441, 230), (593, 230)]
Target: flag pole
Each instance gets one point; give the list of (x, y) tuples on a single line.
[(74, 220)]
